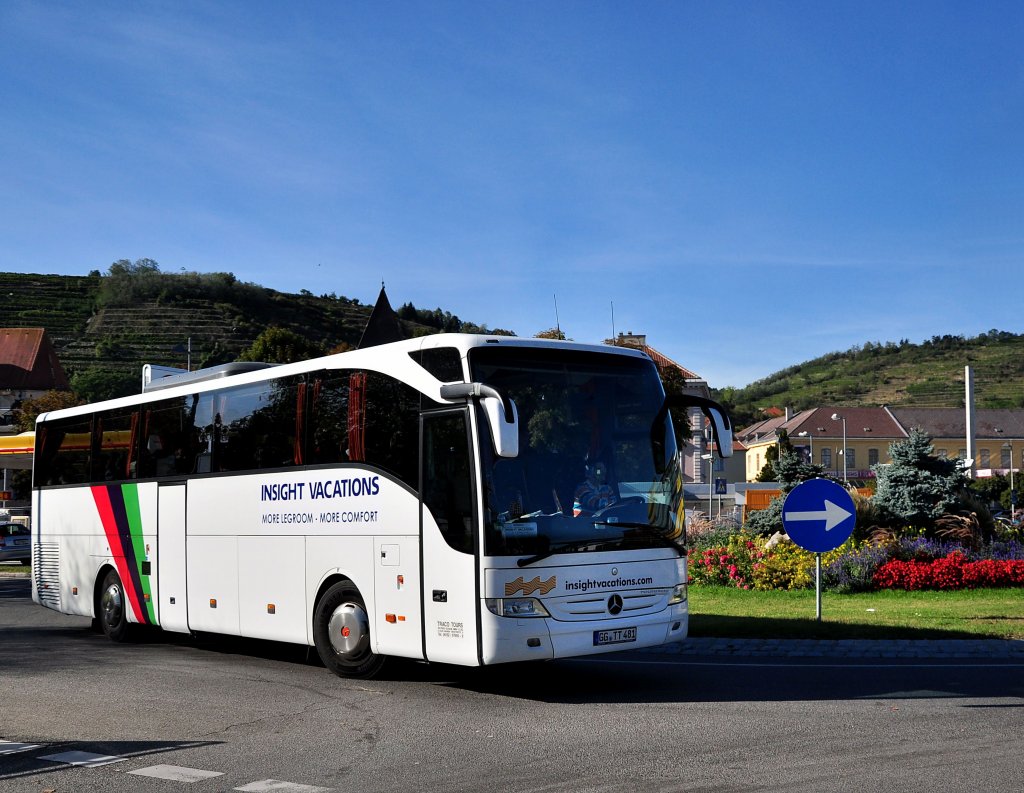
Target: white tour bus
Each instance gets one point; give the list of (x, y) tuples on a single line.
[(455, 498)]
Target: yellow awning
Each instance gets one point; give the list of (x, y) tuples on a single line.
[(16, 450)]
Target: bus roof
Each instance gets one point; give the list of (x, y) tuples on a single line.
[(392, 358)]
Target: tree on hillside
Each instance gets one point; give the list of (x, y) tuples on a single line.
[(25, 415), (918, 487), (138, 267), (95, 385), (280, 345), (551, 333)]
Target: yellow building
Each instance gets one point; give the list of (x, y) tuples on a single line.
[(819, 435), (844, 441)]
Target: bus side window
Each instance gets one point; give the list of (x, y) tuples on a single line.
[(328, 421), (447, 490), (167, 439), (115, 444), (388, 434), (257, 426), (63, 451)]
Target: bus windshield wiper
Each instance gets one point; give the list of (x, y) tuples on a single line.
[(651, 532), (572, 545)]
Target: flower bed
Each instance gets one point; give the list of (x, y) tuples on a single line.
[(953, 571), (910, 563)]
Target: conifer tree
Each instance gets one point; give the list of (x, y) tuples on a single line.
[(918, 487)]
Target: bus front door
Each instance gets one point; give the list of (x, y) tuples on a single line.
[(448, 538)]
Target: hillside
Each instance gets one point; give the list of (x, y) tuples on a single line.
[(106, 326), (930, 374)]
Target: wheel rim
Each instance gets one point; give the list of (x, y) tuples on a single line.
[(349, 630), (112, 605)]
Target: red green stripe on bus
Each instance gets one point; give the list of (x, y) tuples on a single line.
[(118, 507)]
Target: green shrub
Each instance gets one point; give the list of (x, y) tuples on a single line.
[(786, 566)]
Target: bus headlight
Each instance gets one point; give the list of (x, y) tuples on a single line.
[(678, 594), (516, 607)]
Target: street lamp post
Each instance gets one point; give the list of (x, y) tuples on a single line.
[(1013, 493), (711, 481), (837, 417)]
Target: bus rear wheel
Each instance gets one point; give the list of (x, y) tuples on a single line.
[(341, 631), (112, 612)]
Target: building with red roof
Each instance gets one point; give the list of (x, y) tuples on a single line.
[(28, 369)]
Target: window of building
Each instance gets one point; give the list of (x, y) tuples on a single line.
[(851, 457), (942, 454), (1005, 457), (986, 459), (872, 457), (826, 458)]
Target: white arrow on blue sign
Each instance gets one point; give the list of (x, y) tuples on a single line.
[(819, 515)]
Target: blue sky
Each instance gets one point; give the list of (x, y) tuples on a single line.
[(750, 184)]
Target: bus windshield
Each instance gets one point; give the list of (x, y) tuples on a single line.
[(597, 467)]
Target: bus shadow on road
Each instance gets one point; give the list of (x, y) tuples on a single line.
[(641, 678)]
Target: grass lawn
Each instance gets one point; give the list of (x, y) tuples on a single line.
[(726, 612)]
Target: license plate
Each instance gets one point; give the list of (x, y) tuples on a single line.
[(21, 542), (616, 636)]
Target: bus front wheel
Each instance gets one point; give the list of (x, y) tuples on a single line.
[(112, 613), (341, 631)]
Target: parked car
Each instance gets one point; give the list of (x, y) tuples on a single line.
[(15, 543)]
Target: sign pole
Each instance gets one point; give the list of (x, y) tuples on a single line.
[(817, 583), (819, 515)]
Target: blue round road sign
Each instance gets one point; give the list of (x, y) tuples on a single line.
[(819, 515)]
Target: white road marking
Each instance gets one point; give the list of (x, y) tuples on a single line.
[(176, 773), (273, 785), (10, 747), (86, 759)]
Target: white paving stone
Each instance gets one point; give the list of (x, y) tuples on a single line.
[(277, 786), (176, 773)]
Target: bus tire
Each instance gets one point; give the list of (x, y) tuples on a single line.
[(112, 611), (341, 632)]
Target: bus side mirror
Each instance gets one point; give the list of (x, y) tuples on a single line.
[(722, 428), (504, 431), (721, 425), (500, 410)]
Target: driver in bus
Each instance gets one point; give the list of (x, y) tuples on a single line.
[(594, 492)]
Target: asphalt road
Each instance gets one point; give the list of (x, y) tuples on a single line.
[(171, 712)]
